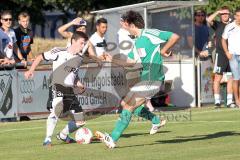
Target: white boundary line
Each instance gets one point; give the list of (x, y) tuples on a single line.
[(110, 121)]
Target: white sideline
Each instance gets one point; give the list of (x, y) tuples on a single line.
[(33, 128)]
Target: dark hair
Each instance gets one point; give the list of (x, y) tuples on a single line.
[(78, 34), (23, 14), (237, 10), (135, 18), (199, 11), (225, 7), (101, 20), (6, 12)]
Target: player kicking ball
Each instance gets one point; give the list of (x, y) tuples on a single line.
[(66, 63), (147, 47)]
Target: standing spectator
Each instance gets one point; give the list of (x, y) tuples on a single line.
[(221, 61), (201, 33), (231, 47), (97, 40), (24, 36), (79, 23), (6, 21)]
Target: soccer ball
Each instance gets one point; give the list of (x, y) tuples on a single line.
[(83, 136)]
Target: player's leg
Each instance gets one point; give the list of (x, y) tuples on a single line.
[(149, 105), (236, 76), (52, 119), (218, 71), (129, 103), (75, 112)]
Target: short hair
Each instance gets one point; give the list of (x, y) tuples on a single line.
[(225, 7), (237, 10), (199, 11), (78, 34), (101, 20), (23, 14), (135, 18), (6, 12)]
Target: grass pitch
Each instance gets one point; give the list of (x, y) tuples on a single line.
[(202, 134)]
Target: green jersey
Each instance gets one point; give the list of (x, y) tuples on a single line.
[(147, 49)]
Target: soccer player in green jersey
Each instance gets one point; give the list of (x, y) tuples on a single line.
[(148, 49)]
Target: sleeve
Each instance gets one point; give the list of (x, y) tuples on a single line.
[(225, 32), (14, 37), (51, 55), (165, 35), (215, 25)]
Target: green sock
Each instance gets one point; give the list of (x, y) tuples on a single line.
[(141, 111), (121, 125)]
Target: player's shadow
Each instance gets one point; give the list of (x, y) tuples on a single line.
[(128, 135), (200, 137), (189, 138)]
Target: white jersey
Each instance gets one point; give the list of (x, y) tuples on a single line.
[(65, 66), (125, 43), (232, 34), (98, 43), (4, 40), (8, 50)]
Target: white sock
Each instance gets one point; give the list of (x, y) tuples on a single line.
[(229, 99), (51, 124), (217, 98)]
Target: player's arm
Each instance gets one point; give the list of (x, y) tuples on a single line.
[(211, 18), (29, 74), (19, 54), (172, 39), (92, 54), (121, 62), (225, 43), (63, 29)]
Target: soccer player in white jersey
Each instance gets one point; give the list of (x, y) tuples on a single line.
[(66, 62), (147, 46)]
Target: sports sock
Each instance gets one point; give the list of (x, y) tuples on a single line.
[(141, 111), (229, 99), (217, 98), (51, 124), (121, 124), (69, 128)]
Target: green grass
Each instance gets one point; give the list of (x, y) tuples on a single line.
[(209, 135)]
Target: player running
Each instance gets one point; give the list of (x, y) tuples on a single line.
[(147, 46), (66, 62)]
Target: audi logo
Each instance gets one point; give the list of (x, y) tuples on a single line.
[(27, 86)]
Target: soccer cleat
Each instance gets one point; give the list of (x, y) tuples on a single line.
[(231, 105), (106, 138), (67, 139), (47, 143), (217, 105), (155, 127)]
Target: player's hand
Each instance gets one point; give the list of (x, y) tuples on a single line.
[(28, 74), (167, 54), (204, 53), (229, 55), (24, 62), (80, 86), (108, 57), (76, 21)]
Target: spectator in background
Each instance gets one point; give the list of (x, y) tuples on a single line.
[(24, 36), (6, 21), (79, 23), (98, 42), (231, 47), (201, 33), (221, 63)]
